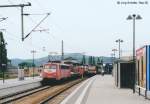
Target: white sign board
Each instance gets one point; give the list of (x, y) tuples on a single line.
[(20, 74)]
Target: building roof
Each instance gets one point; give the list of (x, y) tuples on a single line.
[(125, 59)]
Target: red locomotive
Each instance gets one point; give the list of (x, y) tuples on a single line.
[(56, 71)]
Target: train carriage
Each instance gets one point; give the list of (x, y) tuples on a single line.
[(91, 70)]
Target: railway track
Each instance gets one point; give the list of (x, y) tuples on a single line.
[(59, 91), (46, 95), (19, 95)]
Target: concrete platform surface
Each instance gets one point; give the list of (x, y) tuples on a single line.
[(17, 82), (14, 85), (101, 90)]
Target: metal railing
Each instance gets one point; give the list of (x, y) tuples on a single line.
[(139, 91)]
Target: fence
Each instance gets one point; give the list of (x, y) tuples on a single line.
[(8, 75)]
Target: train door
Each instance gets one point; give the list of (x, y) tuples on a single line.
[(65, 71), (58, 74)]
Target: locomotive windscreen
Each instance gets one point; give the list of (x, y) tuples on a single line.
[(50, 68)]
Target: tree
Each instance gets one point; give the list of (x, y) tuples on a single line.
[(98, 61), (90, 60), (3, 53), (83, 62), (101, 61), (93, 61)]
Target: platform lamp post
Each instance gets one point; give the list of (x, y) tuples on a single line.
[(119, 41), (114, 52), (3, 65), (112, 56), (134, 17), (33, 65)]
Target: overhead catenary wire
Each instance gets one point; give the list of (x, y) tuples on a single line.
[(15, 39), (56, 38), (37, 25), (22, 21), (10, 2), (3, 19), (27, 14), (30, 17)]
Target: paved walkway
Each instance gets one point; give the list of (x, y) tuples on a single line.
[(14, 85), (101, 90), (17, 82)]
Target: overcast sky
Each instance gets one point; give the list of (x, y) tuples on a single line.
[(89, 26)]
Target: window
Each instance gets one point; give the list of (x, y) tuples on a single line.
[(51, 68), (64, 67)]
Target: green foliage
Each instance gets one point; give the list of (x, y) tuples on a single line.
[(3, 53), (25, 64), (93, 61), (102, 61), (89, 61), (98, 60), (83, 62)]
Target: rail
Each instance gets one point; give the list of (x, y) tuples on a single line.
[(60, 90), (13, 97), (43, 94)]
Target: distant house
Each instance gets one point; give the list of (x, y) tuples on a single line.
[(12, 71), (28, 72)]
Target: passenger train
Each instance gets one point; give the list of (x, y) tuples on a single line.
[(59, 71)]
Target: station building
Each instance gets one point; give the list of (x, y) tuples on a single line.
[(123, 70), (143, 68)]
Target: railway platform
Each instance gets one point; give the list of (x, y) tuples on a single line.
[(102, 90), (15, 85)]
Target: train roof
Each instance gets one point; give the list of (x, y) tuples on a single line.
[(52, 63)]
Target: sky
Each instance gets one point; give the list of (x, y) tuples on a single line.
[(86, 26)]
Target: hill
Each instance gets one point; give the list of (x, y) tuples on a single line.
[(40, 61)]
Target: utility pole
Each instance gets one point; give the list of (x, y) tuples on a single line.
[(33, 65), (22, 19), (62, 57)]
